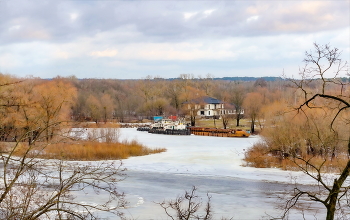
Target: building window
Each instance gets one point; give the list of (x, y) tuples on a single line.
[(202, 112), (208, 112)]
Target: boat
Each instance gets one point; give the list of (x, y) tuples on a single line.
[(167, 126), (179, 127), (219, 132)]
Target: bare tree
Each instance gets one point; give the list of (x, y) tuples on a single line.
[(206, 83), (238, 96), (191, 109), (195, 102), (330, 95), (260, 82), (252, 105), (173, 91), (225, 118), (187, 207), (95, 109), (33, 188)]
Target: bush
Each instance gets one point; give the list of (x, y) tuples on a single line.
[(261, 155)]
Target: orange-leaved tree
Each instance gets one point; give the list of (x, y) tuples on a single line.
[(35, 114)]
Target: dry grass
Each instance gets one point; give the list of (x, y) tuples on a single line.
[(91, 151), (99, 125), (259, 156), (6, 146)]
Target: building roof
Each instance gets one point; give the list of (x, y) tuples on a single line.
[(205, 99)]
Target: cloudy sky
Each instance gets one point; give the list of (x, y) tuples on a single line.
[(132, 39)]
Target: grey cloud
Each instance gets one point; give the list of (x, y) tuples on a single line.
[(159, 20), (232, 20)]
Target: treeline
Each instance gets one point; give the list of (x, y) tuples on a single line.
[(241, 78), (103, 100)]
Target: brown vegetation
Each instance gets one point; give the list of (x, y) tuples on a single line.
[(290, 139), (89, 151), (261, 156), (35, 115), (313, 135), (136, 100), (99, 125)]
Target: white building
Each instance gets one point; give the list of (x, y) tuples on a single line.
[(208, 107)]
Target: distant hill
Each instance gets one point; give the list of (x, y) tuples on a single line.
[(239, 78)]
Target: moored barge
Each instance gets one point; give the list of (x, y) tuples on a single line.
[(217, 132)]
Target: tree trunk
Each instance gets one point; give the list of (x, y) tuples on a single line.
[(193, 121), (331, 207), (105, 114), (237, 119), (252, 126), (333, 200)]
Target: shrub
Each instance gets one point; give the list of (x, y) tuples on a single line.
[(261, 155)]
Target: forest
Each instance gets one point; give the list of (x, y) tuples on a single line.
[(102, 100)]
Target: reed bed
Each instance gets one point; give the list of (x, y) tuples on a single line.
[(98, 125), (90, 151)]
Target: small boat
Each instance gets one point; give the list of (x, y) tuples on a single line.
[(169, 124)]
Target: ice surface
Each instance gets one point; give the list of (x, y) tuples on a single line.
[(201, 155), (214, 166)]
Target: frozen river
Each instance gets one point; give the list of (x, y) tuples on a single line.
[(213, 165)]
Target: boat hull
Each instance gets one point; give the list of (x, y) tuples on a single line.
[(219, 132)]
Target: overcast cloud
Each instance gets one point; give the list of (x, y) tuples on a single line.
[(133, 39)]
